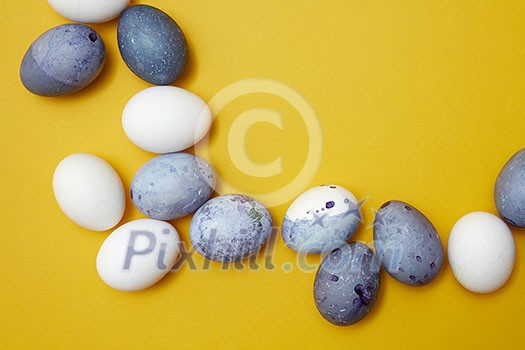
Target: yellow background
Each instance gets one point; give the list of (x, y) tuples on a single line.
[(421, 101)]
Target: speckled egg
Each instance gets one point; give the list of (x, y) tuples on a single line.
[(509, 192), (347, 283), (172, 185), (321, 219), (63, 60), (407, 244), (230, 227), (152, 44)]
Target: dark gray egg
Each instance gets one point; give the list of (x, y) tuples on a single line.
[(407, 244), (347, 284), (230, 227), (509, 192), (172, 185), (152, 44), (63, 60)]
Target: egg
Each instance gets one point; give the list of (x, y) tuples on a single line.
[(481, 252), (152, 44), (89, 191), (346, 285), (509, 192), (89, 11), (138, 254), (230, 227), (165, 119), (63, 60), (172, 185), (321, 219), (407, 244)]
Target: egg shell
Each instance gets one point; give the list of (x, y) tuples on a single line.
[(152, 44), (172, 185), (89, 11), (321, 219), (63, 60), (509, 192), (230, 227), (481, 252), (407, 244), (89, 191), (164, 119), (346, 285), (138, 254)]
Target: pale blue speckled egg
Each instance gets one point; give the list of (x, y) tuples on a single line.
[(172, 185), (230, 227), (407, 244)]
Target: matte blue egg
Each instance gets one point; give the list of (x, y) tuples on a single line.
[(230, 227), (63, 60), (172, 185), (347, 283), (509, 192), (152, 44), (407, 244)]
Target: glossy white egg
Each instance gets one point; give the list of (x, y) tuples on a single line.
[(89, 191), (165, 119), (481, 252), (89, 11), (138, 254)]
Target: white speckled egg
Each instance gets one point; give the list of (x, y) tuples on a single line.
[(138, 254), (89, 11), (321, 219), (165, 119), (89, 191), (481, 252)]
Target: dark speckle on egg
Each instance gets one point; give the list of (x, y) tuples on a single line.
[(152, 44)]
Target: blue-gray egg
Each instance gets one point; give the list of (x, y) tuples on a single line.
[(172, 185), (407, 244), (509, 192), (321, 219), (347, 283), (152, 44), (230, 227), (63, 60)]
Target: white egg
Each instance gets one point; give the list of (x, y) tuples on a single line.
[(89, 191), (89, 11), (321, 219), (481, 252), (165, 119), (138, 254)]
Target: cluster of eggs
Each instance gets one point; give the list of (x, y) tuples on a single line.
[(481, 247), (167, 120), (161, 119)]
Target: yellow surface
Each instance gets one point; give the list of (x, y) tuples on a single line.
[(422, 101)]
